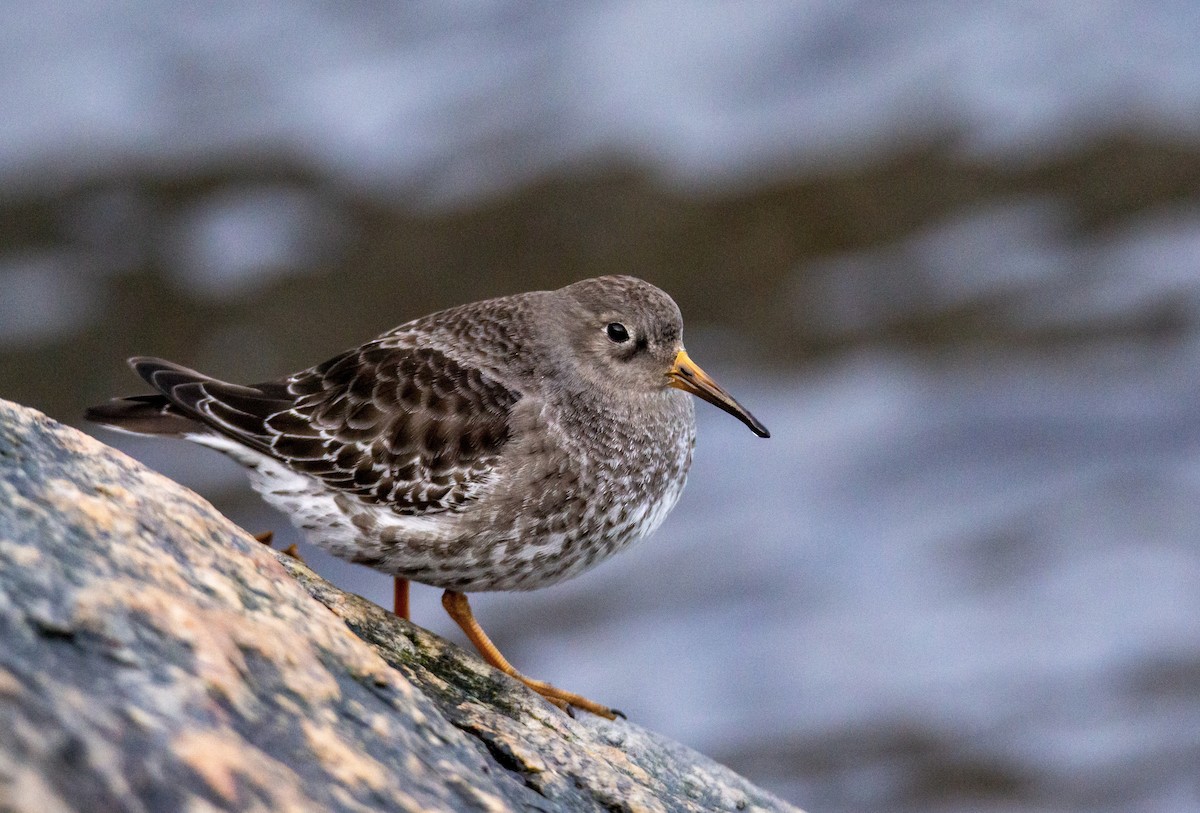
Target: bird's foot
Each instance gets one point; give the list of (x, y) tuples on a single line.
[(267, 537), (460, 610), (567, 701)]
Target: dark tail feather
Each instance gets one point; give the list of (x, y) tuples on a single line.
[(151, 414), (142, 415), (190, 402), (165, 376)]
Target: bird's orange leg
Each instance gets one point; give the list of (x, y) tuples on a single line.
[(400, 598), (460, 610)]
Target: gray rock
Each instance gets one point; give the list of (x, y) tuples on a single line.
[(153, 656)]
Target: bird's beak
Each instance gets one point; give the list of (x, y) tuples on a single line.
[(687, 376)]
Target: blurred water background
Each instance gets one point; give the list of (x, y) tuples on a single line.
[(948, 252)]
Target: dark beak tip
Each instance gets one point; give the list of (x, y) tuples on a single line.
[(757, 428)]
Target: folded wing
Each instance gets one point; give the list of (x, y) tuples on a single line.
[(409, 428)]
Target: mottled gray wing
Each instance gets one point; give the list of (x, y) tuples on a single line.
[(409, 428)]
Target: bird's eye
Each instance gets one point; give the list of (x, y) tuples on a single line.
[(617, 332)]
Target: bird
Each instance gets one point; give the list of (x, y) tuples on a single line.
[(501, 445)]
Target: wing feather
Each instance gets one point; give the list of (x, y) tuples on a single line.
[(410, 428)]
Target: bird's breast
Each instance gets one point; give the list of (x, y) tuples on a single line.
[(632, 468)]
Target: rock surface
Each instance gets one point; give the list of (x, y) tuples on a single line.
[(153, 656)]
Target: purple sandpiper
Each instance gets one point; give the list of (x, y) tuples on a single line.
[(500, 445)]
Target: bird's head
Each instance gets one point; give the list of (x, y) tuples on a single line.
[(627, 334)]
